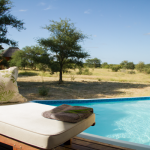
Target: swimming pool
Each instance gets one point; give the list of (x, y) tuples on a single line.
[(125, 119)]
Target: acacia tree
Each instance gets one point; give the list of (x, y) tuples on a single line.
[(29, 56), (63, 45), (18, 59), (33, 55), (127, 65), (95, 62), (6, 19)]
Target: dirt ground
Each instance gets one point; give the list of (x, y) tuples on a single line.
[(79, 89)]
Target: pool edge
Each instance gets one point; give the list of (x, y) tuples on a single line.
[(114, 141)]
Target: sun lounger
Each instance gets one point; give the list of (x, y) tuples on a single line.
[(23, 127)]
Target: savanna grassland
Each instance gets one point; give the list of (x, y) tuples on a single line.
[(103, 83)]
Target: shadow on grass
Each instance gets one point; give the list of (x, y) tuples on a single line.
[(75, 90), (28, 74)]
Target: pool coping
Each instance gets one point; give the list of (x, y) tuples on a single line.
[(97, 99), (105, 139)]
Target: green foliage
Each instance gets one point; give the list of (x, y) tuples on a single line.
[(147, 65), (140, 66), (80, 71), (130, 65), (93, 63), (115, 68), (30, 56), (127, 65), (8, 20), (147, 70), (3, 62), (42, 67), (84, 71), (19, 59), (131, 72), (99, 79), (34, 55), (28, 73), (105, 65), (123, 64), (43, 91), (63, 45), (1, 51), (110, 66)]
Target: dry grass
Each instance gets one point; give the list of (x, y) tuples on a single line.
[(102, 84)]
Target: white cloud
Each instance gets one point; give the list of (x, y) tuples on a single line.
[(87, 11), (22, 10), (95, 35), (148, 33), (49, 7)]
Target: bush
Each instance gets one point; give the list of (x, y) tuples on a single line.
[(86, 72), (147, 70), (105, 65), (140, 66), (80, 71), (99, 79), (131, 72), (127, 65), (42, 67), (130, 65), (115, 68), (43, 91), (28, 73)]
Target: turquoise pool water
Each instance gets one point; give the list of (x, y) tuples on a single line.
[(123, 120)]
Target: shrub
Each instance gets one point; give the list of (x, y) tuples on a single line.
[(43, 91), (28, 73), (147, 70), (42, 67), (115, 68), (130, 65), (131, 72), (140, 66), (86, 72), (99, 79), (127, 65), (80, 71)]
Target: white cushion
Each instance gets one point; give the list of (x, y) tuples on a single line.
[(25, 123), (8, 86)]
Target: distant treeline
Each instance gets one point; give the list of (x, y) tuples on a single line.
[(35, 57), (96, 63)]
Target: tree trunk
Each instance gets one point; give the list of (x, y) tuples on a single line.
[(60, 75)]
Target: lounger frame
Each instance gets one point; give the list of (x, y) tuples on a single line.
[(18, 145)]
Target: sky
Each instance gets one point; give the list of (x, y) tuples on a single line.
[(117, 30)]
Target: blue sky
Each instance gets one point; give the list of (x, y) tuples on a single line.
[(118, 29)]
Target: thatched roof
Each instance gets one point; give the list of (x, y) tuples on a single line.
[(10, 51)]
